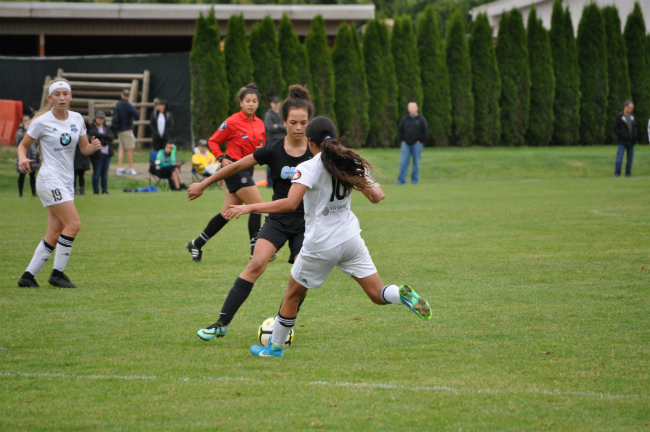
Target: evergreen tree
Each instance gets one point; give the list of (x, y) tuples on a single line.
[(638, 66), (542, 89), (351, 104), (486, 84), (617, 77), (566, 116), (209, 88), (267, 68), (407, 64), (459, 65), (512, 54), (390, 113), (436, 107), (239, 65), (321, 70), (374, 62), (295, 68), (592, 57)]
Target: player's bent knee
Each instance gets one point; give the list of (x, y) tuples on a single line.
[(257, 266), (73, 226)]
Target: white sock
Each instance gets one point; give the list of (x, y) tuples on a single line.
[(62, 254), (281, 330), (390, 294), (41, 255)]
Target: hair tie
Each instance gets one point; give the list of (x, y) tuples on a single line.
[(327, 137)]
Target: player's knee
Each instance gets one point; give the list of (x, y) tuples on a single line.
[(73, 226), (257, 265)]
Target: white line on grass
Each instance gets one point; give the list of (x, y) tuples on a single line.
[(330, 384)]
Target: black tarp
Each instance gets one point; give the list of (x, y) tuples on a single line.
[(22, 78)]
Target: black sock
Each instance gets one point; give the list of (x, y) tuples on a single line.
[(236, 297), (215, 224), (254, 222)]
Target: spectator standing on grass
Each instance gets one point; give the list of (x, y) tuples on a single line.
[(101, 160), (626, 130), (32, 153), (275, 130), (126, 113), (162, 124), (81, 165), (413, 132)]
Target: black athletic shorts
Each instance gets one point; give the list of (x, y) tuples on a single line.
[(278, 231), (240, 180)]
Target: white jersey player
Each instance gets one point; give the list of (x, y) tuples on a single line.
[(59, 131), (332, 231)]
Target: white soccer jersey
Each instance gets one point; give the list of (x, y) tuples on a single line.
[(329, 221), (58, 141)]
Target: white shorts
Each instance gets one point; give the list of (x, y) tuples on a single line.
[(352, 258), (52, 193)]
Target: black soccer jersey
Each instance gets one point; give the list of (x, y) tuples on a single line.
[(282, 169)]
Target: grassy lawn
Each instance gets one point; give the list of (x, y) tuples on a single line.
[(536, 262)]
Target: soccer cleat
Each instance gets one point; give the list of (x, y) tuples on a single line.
[(417, 304), (267, 351), (196, 252), (27, 282), (215, 330), (270, 259), (61, 280)]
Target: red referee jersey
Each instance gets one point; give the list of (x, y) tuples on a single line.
[(243, 136)]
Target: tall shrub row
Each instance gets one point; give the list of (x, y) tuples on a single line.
[(267, 68), (617, 76), (638, 66), (460, 68), (239, 65)]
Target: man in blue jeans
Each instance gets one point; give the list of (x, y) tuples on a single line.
[(413, 132), (626, 130)]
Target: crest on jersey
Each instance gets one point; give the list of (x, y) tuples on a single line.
[(296, 175), (74, 129), (65, 139), (326, 211), (223, 125)]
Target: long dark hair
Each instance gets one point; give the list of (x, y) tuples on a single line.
[(249, 89), (343, 164), (299, 98)]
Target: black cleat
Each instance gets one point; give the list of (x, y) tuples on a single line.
[(196, 252), (27, 281), (61, 280)]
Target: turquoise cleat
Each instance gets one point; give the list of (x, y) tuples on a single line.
[(267, 351), (417, 304), (215, 330)]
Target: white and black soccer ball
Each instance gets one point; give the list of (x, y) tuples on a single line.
[(266, 330)]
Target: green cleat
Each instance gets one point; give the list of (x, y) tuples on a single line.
[(417, 304), (215, 330)]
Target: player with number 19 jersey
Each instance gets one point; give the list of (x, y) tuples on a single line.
[(58, 140), (329, 221)]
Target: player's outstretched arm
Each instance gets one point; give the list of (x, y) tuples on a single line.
[(288, 204), (374, 194), (195, 190)]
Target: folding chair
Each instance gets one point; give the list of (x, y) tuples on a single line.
[(153, 176)]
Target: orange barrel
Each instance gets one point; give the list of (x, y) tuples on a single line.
[(11, 113)]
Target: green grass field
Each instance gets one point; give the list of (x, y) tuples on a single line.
[(536, 262)]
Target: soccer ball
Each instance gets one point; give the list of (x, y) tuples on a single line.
[(265, 331)]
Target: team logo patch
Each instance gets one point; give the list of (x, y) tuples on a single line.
[(296, 175), (326, 211), (244, 180), (74, 129), (244, 137), (65, 139), (223, 125)]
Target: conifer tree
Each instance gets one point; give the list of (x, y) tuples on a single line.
[(295, 68), (351, 104), (407, 64), (459, 65), (617, 77), (436, 106), (321, 70), (592, 57), (374, 62), (638, 66), (239, 65), (566, 107), (209, 87), (390, 114), (267, 69), (542, 89), (512, 54), (486, 84)]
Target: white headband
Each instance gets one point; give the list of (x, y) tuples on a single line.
[(57, 85)]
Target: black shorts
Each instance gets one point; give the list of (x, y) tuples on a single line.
[(240, 180), (165, 172), (279, 231)]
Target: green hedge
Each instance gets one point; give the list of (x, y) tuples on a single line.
[(239, 65)]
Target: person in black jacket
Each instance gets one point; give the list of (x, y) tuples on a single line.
[(161, 127), (413, 132), (101, 160), (626, 129)]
